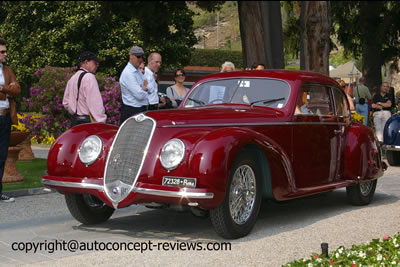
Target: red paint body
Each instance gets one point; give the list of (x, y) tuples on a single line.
[(302, 155)]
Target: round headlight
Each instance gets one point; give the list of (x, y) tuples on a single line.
[(172, 154), (90, 149)]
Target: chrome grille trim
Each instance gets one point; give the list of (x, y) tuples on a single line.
[(126, 155)]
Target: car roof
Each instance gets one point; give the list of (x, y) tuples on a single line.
[(289, 75)]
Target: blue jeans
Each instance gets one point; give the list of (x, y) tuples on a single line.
[(363, 110), (5, 132)]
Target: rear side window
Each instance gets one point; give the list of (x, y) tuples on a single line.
[(341, 105), (314, 100)]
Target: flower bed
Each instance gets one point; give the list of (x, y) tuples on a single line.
[(357, 117), (379, 252)]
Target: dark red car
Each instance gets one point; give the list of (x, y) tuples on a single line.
[(237, 138)]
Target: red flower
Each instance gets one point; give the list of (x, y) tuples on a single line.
[(315, 256), (353, 265), (330, 262), (386, 237)]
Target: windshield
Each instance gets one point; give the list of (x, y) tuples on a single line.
[(252, 91)]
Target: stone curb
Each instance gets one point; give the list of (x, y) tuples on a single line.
[(28, 192)]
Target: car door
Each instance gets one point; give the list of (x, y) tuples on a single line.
[(315, 137)]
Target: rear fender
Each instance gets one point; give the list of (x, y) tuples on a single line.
[(362, 160)]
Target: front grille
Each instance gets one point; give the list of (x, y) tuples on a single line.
[(126, 156)]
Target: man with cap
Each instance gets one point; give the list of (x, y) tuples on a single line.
[(134, 90), (82, 96)]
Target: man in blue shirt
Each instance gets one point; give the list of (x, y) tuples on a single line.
[(134, 89)]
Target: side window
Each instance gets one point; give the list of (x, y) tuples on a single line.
[(342, 108), (314, 100)]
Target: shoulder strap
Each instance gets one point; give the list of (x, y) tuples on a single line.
[(79, 86)]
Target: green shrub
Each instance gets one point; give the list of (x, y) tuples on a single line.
[(215, 57), (47, 94)]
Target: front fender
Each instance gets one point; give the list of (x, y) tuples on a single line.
[(362, 154), (213, 157), (63, 159)]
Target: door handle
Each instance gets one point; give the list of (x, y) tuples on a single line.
[(337, 131)]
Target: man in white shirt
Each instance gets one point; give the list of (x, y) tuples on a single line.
[(134, 89), (153, 66)]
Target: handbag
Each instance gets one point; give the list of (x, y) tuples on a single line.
[(361, 100)]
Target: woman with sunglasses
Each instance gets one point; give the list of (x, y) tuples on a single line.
[(177, 91)]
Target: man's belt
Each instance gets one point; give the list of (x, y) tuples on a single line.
[(81, 117), (4, 111)]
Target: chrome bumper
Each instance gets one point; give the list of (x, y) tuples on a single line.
[(147, 191), (391, 147)]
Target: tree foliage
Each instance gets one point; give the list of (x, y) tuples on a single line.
[(370, 29), (41, 33)]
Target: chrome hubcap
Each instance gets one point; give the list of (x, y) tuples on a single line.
[(242, 194), (365, 187)]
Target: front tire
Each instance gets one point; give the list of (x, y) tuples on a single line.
[(237, 214), (88, 209), (393, 157), (361, 193)]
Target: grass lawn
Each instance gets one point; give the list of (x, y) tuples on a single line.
[(32, 172)]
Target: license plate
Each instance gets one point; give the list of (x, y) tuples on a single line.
[(179, 181)]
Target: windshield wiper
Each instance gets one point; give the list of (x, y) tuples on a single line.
[(267, 101), (197, 101)]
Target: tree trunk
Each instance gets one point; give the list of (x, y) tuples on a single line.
[(371, 50), (273, 40), (315, 33), (251, 31)]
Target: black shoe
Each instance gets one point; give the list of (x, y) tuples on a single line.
[(6, 198)]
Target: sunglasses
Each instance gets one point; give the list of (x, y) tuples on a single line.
[(3, 51), (180, 75), (138, 56)]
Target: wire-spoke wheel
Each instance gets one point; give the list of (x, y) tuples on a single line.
[(242, 194), (237, 214), (361, 193)]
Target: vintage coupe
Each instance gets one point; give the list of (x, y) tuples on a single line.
[(391, 140), (237, 138)]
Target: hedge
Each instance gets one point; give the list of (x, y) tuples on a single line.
[(215, 57)]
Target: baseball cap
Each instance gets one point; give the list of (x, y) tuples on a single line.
[(137, 51), (87, 55)]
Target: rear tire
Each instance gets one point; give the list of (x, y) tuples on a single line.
[(237, 214), (393, 157), (88, 209), (361, 193)]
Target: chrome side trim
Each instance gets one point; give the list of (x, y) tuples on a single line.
[(72, 185), (390, 147), (254, 124), (180, 194)]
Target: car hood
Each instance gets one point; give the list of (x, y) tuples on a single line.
[(216, 114)]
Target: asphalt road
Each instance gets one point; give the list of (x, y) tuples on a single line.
[(284, 231)]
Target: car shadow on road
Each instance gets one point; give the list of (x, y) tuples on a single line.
[(274, 218)]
